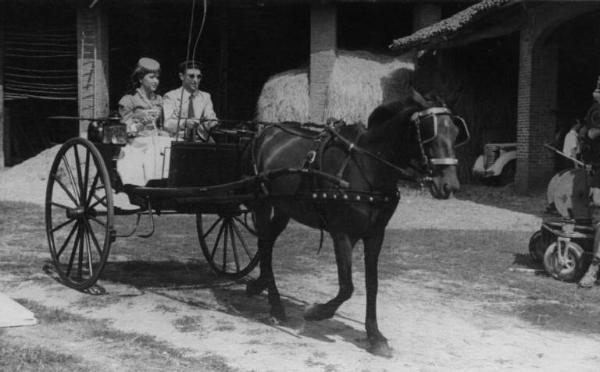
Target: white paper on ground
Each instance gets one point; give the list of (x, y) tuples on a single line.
[(13, 314)]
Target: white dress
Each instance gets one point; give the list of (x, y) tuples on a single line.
[(147, 155)]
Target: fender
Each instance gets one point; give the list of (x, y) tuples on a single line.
[(506, 155)]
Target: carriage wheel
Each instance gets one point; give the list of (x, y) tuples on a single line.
[(565, 263), (79, 213), (228, 242)]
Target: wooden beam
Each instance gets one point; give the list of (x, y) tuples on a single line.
[(92, 64), (223, 109), (4, 141), (323, 49)]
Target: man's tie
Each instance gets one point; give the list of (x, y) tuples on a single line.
[(191, 113)]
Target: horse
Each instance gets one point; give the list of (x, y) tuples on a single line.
[(402, 139)]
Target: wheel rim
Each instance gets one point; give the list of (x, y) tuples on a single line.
[(79, 213), (566, 268), (228, 242), (534, 242)]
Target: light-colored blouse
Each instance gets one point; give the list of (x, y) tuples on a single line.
[(137, 109)]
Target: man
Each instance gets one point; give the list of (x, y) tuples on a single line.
[(591, 156), (571, 141), (188, 107)]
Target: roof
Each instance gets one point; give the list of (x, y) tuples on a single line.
[(487, 18)]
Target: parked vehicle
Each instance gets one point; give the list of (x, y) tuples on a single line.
[(497, 164)]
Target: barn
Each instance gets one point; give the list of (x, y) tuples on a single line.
[(544, 66), (517, 70)]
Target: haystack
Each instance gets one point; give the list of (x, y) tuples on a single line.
[(360, 81)]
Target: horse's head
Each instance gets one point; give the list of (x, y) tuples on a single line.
[(438, 133)]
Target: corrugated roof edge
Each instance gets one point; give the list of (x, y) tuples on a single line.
[(450, 25)]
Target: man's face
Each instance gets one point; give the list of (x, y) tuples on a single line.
[(191, 79)]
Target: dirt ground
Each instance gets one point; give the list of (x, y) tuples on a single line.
[(439, 310)]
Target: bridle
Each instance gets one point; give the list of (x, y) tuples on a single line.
[(434, 113)]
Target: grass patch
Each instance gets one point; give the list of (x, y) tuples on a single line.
[(15, 357), (128, 346), (188, 323)]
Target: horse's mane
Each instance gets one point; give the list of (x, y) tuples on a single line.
[(396, 113)]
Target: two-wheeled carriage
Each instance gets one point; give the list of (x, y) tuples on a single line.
[(204, 179)]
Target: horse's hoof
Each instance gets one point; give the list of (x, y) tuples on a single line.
[(278, 314), (317, 312), (255, 287), (381, 348)]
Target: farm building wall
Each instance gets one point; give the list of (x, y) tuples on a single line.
[(39, 74)]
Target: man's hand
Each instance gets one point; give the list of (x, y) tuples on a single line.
[(191, 123)]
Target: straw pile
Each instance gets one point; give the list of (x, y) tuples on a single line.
[(27, 181), (360, 81)]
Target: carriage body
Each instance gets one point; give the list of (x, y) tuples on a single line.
[(204, 179), (192, 163)]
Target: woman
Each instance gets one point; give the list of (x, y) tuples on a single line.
[(141, 111)]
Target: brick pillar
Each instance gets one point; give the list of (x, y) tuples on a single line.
[(92, 64), (425, 14), (536, 123), (323, 46)]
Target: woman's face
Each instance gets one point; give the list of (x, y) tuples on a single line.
[(150, 82)]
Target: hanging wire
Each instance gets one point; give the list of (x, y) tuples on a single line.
[(187, 57), (204, 12)]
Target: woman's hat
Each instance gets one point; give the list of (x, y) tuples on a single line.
[(145, 66)]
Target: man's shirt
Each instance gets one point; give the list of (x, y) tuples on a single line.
[(175, 108)]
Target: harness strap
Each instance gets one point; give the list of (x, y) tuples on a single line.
[(352, 147)]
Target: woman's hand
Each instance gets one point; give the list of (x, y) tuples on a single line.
[(134, 127)]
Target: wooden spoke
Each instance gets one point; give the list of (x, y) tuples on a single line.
[(239, 235), (71, 177), (80, 258), (212, 254), (59, 205), (101, 200), (66, 242), (245, 224), (98, 221), (212, 227), (91, 192), (62, 185), (234, 248), (63, 224), (75, 245), (93, 236), (225, 228), (88, 250), (85, 178), (79, 176)]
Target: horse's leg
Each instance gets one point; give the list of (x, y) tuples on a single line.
[(378, 343), (268, 230), (343, 257)]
